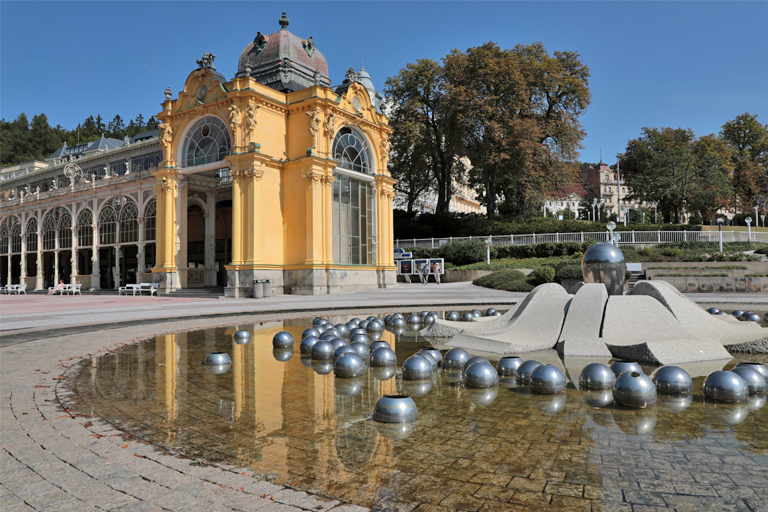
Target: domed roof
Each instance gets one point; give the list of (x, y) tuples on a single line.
[(283, 61)]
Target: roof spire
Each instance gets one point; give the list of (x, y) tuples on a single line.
[(284, 21)]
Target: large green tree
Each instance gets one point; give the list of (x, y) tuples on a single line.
[(748, 139), (677, 170)]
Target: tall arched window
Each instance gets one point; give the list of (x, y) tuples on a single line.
[(84, 228), (65, 231), (129, 223), (150, 214), (15, 233), (51, 224), (108, 224), (4, 237), (351, 151), (32, 235), (207, 141)]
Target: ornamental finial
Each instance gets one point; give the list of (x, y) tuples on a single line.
[(284, 21)]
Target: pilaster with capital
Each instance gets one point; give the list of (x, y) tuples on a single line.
[(385, 232)]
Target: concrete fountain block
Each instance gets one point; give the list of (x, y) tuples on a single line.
[(447, 329), (580, 336), (641, 328), (735, 336)]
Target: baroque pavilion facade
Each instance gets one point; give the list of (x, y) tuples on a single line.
[(273, 174)]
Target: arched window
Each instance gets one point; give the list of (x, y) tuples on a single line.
[(51, 226), (84, 228), (129, 223), (65, 231), (108, 223), (15, 232), (351, 151), (208, 141), (4, 237), (150, 214), (32, 235)]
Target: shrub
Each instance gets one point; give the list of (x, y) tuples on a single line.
[(499, 277), (544, 274), (672, 252), (646, 251), (754, 275), (568, 273), (463, 252)]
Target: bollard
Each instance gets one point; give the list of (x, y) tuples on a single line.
[(258, 290)]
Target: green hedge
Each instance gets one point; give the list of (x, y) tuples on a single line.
[(570, 272), (508, 280)]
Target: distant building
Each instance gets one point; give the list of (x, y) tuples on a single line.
[(566, 198), (602, 181), (463, 200)]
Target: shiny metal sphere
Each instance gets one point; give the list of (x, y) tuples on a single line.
[(343, 330), (496, 313), (429, 319), (358, 330), (355, 321), (467, 317), (634, 389), (596, 376), (360, 338), (322, 350), (364, 325), (413, 319), (524, 372), (397, 331), (737, 313), (383, 372), (482, 397), (548, 380), (375, 336), (349, 365), (417, 367), (396, 322), (338, 342), (399, 315), (416, 388), (604, 263), (489, 311), (760, 368), (721, 313), (508, 365), (672, 380), (453, 316), (434, 353), (548, 404), (713, 311), (430, 358), (476, 313), (598, 398), (310, 332), (375, 326), (371, 318), (376, 344), (217, 358), (326, 336), (423, 314), (480, 374), (321, 328), (319, 321), (383, 356), (674, 403), (282, 340), (387, 319), (395, 409), (352, 386), (351, 325), (455, 358), (244, 337), (361, 348), (322, 367), (756, 402), (333, 331), (218, 369), (343, 349), (724, 386), (620, 367), (728, 413), (755, 381), (472, 360), (751, 317), (282, 354)]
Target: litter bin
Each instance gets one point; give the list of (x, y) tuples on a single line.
[(267, 288), (258, 290)]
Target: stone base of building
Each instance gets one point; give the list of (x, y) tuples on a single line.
[(312, 281), (168, 281)]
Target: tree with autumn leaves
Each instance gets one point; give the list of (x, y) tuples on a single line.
[(514, 113)]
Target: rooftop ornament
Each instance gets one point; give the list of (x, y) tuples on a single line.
[(284, 21)]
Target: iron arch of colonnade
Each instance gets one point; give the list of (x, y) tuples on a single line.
[(10, 250)]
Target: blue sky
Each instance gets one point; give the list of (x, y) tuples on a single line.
[(689, 64)]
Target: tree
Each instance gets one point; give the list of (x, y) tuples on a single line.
[(116, 128), (673, 168), (748, 140), (424, 141), (43, 139)]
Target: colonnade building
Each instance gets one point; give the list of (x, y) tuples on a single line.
[(273, 174)]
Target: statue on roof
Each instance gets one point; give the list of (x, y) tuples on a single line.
[(352, 75)]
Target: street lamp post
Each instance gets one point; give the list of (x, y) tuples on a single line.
[(720, 231), (594, 203), (655, 218), (618, 187), (748, 220)]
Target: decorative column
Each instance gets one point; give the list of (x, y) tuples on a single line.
[(385, 235), (328, 216), (39, 262), (238, 210), (23, 263), (95, 269), (181, 231), (140, 254), (165, 270), (210, 239), (73, 249), (254, 219), (318, 177), (117, 266)]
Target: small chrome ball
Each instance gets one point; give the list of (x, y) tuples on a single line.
[(725, 386), (480, 374), (434, 353), (672, 380), (376, 344), (620, 367), (489, 311), (371, 318), (508, 365), (467, 317), (355, 321), (351, 325), (282, 340), (429, 357), (634, 389), (423, 314), (358, 330), (395, 409), (333, 331), (713, 311), (244, 337), (319, 321), (453, 316), (413, 319), (349, 365), (455, 358), (761, 368), (429, 319), (359, 338), (472, 360), (310, 332), (417, 367), (305, 347), (322, 350), (326, 336), (496, 313), (282, 354), (755, 381), (361, 348), (396, 323), (596, 376), (737, 313), (343, 330), (364, 325), (752, 318), (756, 402), (476, 313), (321, 328), (217, 358), (338, 342), (524, 372), (375, 326), (344, 349), (547, 380), (383, 356)]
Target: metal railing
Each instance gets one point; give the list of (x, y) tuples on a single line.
[(641, 238)]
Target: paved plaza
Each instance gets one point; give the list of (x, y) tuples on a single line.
[(53, 459)]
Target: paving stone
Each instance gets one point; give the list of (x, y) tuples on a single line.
[(644, 498)]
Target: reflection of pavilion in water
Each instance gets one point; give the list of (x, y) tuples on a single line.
[(280, 418)]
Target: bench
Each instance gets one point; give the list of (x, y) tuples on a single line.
[(67, 288), (16, 288), (140, 288)]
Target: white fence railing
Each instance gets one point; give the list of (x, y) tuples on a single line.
[(627, 237)]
